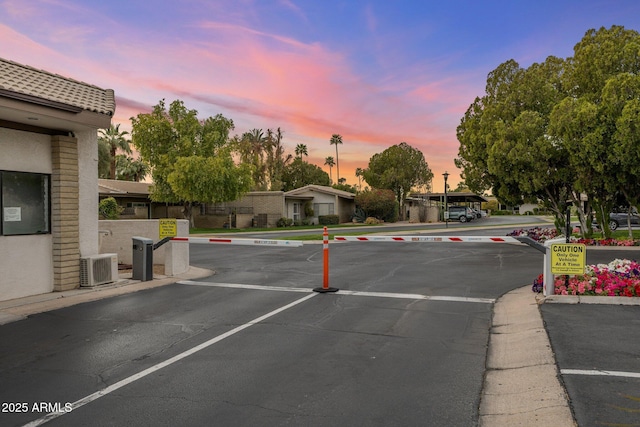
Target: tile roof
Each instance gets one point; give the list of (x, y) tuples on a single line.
[(31, 82)]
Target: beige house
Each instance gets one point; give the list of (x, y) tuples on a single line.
[(323, 200), (48, 177), (265, 208), (132, 197), (254, 209)]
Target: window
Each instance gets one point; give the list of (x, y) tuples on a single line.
[(323, 209), (296, 211), (25, 203)]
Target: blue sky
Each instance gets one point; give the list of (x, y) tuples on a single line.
[(376, 72)]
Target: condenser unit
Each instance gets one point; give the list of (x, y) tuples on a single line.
[(98, 269)]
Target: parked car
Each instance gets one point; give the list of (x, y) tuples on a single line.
[(461, 213), (619, 218)]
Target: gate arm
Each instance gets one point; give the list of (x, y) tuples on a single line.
[(534, 244), (161, 242)]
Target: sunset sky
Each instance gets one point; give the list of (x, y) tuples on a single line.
[(376, 72)]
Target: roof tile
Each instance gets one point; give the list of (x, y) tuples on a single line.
[(53, 87)]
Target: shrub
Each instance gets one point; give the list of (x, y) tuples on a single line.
[(308, 209), (377, 203), (109, 209), (328, 219), (284, 222), (359, 216)]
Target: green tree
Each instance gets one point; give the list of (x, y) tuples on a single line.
[(191, 159), (505, 143), (602, 80), (300, 173), (114, 140), (537, 166), (104, 160), (398, 168), (331, 163), (336, 140)]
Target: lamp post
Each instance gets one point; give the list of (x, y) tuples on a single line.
[(446, 204)]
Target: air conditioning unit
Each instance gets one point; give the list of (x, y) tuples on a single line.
[(98, 269)]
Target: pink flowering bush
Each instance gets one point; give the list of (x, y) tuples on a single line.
[(606, 242), (537, 233), (621, 277), (541, 234)]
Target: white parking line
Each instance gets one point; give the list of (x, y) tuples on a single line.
[(342, 292), (598, 372), (88, 399), (239, 286)]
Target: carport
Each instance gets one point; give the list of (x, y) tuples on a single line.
[(458, 198)]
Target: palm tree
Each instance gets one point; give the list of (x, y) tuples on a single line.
[(130, 169), (115, 140), (331, 163), (335, 140), (300, 150), (359, 173), (253, 146), (276, 158)]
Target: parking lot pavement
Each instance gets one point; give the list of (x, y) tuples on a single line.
[(588, 369), (521, 386), (596, 342)]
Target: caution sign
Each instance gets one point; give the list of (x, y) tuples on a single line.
[(568, 258), (167, 227)]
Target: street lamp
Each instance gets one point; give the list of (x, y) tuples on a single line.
[(446, 204)]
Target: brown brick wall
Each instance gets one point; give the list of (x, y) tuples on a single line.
[(65, 213)]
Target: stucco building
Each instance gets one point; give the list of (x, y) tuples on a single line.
[(48, 177)]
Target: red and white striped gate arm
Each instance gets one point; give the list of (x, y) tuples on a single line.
[(473, 239), (238, 241)]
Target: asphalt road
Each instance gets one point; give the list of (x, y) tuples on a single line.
[(402, 343)]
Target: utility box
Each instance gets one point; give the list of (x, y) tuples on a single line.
[(142, 259)]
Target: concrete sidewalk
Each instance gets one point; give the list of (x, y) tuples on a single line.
[(521, 386)]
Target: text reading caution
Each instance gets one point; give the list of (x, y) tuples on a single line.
[(568, 258)]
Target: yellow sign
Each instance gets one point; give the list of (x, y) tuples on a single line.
[(167, 227), (568, 258)]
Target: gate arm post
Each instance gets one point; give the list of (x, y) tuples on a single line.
[(534, 244)]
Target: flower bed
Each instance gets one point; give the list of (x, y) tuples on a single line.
[(621, 277), (537, 233), (542, 234)]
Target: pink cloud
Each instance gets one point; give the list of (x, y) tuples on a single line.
[(261, 80)]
